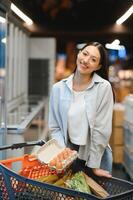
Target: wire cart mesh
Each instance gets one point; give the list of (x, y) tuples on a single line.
[(23, 186)]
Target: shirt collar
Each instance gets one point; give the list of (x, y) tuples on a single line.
[(95, 79), (69, 81)]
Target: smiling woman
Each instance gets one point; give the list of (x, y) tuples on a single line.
[(81, 107)]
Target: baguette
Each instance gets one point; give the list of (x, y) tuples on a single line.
[(96, 188)]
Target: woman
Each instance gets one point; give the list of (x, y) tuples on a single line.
[(81, 107)]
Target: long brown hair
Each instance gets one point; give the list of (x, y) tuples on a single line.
[(104, 70)]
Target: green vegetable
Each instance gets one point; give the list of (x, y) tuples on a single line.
[(78, 182)]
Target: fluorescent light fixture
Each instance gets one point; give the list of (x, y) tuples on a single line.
[(114, 45), (2, 20), (125, 16), (3, 40), (21, 14), (116, 42), (80, 46)]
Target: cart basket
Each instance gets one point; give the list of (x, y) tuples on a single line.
[(15, 186)]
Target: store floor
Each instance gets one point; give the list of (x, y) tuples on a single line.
[(120, 172)]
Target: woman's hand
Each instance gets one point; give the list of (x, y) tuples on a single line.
[(101, 172)]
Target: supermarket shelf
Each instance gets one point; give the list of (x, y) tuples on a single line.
[(26, 118)]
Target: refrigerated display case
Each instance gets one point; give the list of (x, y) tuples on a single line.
[(4, 8), (16, 111), (18, 107)]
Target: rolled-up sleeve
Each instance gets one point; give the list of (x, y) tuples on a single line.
[(101, 131)]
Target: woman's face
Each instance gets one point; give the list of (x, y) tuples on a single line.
[(88, 60)]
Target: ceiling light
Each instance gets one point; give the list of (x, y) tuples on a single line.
[(115, 45), (112, 46), (3, 40), (117, 42), (2, 20), (21, 14), (80, 46), (125, 16)]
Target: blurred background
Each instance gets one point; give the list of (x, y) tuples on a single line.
[(39, 40)]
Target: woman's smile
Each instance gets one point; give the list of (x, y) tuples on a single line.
[(83, 69), (84, 65)]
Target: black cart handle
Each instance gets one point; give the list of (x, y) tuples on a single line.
[(23, 144)]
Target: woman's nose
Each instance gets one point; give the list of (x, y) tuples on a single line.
[(86, 60)]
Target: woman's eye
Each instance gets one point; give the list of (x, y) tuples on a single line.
[(93, 60), (85, 54)]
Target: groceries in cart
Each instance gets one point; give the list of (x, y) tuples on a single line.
[(60, 160), (78, 181), (55, 156), (37, 180)]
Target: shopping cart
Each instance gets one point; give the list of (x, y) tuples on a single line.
[(23, 185)]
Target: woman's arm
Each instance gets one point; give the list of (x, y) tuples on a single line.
[(54, 119), (100, 134)]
